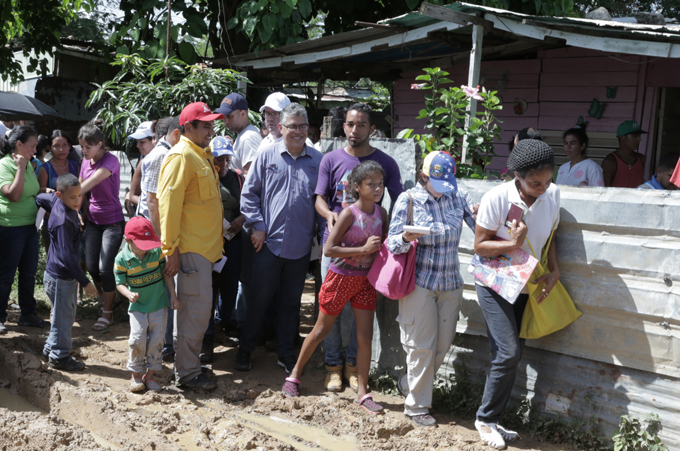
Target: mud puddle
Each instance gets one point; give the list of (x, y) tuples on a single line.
[(47, 410), (16, 403), (297, 435)]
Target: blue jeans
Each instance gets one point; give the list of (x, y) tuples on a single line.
[(288, 277), (503, 321), (102, 244), (63, 294), (333, 341), (18, 250)]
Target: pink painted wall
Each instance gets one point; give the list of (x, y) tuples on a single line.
[(558, 87)]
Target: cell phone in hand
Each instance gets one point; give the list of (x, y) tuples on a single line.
[(516, 213)]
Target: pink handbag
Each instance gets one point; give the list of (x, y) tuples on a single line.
[(394, 275)]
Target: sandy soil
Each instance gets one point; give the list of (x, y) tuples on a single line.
[(94, 409)]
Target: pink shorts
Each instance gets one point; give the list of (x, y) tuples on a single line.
[(338, 289)]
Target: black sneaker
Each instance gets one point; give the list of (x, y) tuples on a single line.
[(170, 357), (201, 382), (66, 364), (207, 351), (243, 360), (32, 320), (423, 420), (287, 363)]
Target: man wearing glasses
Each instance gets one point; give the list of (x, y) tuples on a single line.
[(271, 110), (278, 203)]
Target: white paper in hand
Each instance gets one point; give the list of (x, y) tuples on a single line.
[(39, 218), (225, 225), (220, 264)]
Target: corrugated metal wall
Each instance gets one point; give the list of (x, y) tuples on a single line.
[(617, 253)]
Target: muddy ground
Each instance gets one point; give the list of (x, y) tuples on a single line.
[(94, 409)]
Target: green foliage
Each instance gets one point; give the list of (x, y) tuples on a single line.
[(34, 25), (142, 91), (384, 382), (638, 435), (456, 393), (446, 112)]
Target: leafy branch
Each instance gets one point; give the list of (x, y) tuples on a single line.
[(446, 112)]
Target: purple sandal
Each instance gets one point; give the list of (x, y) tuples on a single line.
[(366, 402), (290, 387)]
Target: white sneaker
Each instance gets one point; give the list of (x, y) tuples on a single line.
[(507, 434), (490, 435), (3, 329)]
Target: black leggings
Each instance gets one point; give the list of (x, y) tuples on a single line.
[(102, 243)]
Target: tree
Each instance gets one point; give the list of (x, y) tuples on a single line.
[(33, 26), (145, 90)]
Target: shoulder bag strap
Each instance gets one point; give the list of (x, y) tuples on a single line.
[(547, 245), (410, 209)]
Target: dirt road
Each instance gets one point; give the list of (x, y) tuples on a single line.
[(94, 409)]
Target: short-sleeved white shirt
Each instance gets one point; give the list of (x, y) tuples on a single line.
[(584, 173), (495, 206), (245, 146)]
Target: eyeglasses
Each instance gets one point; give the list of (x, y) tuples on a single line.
[(294, 127), (274, 114)]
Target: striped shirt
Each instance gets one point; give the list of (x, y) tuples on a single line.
[(144, 277), (437, 266)]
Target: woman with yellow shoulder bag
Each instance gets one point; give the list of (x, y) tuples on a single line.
[(531, 204)]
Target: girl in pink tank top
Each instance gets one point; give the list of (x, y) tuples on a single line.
[(353, 244)]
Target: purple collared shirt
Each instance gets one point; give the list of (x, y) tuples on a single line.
[(278, 198)]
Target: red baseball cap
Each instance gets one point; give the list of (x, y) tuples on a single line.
[(198, 111), (140, 231)]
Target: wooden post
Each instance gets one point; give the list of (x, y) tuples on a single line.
[(473, 81), (319, 92)]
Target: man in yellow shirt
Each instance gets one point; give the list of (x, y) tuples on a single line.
[(190, 210)]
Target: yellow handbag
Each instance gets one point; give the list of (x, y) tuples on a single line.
[(556, 311)]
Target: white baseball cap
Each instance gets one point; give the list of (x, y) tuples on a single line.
[(143, 131), (277, 102)]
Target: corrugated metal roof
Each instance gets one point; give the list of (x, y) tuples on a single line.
[(415, 19), (379, 45)]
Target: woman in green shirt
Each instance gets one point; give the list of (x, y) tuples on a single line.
[(18, 235)]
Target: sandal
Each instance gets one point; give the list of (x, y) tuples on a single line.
[(366, 402), (136, 384), (103, 323), (152, 384), (490, 435), (290, 387)]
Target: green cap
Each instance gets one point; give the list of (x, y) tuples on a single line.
[(628, 127)]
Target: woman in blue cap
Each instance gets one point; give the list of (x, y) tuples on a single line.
[(427, 316)]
